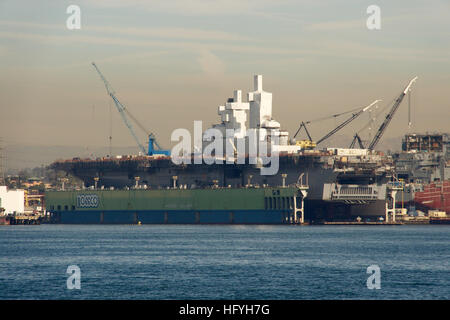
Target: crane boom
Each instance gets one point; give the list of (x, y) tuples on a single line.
[(149, 134), (119, 107), (303, 125), (390, 115), (356, 138), (343, 124)]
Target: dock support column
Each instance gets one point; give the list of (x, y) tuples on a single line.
[(392, 190), (299, 205), (284, 176)]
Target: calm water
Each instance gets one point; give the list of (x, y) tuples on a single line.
[(224, 262)]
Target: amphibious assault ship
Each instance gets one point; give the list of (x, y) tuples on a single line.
[(342, 183)]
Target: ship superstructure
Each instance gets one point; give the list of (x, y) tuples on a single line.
[(251, 119)]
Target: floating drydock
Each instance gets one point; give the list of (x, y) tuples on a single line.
[(178, 206), (343, 183)]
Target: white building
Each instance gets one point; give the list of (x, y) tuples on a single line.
[(12, 200)]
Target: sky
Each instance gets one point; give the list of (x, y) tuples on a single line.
[(173, 62)]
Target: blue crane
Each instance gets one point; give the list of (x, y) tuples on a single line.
[(124, 112)]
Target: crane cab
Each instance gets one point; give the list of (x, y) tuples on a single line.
[(306, 144)]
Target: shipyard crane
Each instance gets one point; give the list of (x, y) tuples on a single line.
[(151, 138), (390, 115), (303, 125), (343, 124), (305, 144), (124, 112), (356, 138), (310, 144)]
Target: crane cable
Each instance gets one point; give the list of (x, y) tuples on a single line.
[(304, 123), (333, 115), (376, 116)]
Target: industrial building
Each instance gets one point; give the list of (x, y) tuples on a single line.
[(12, 201)]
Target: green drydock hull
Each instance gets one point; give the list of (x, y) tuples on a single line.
[(221, 205)]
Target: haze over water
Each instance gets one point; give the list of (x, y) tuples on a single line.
[(174, 62), (224, 262)]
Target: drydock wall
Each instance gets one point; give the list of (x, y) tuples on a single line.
[(259, 206)]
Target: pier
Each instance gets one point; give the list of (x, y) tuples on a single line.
[(361, 223), (25, 220)]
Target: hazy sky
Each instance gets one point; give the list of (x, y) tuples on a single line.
[(173, 62)]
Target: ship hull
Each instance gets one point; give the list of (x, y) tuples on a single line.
[(317, 211), (5, 220), (204, 177), (159, 173), (315, 170), (435, 196), (173, 217)]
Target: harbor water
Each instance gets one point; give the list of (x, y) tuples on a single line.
[(224, 262)]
